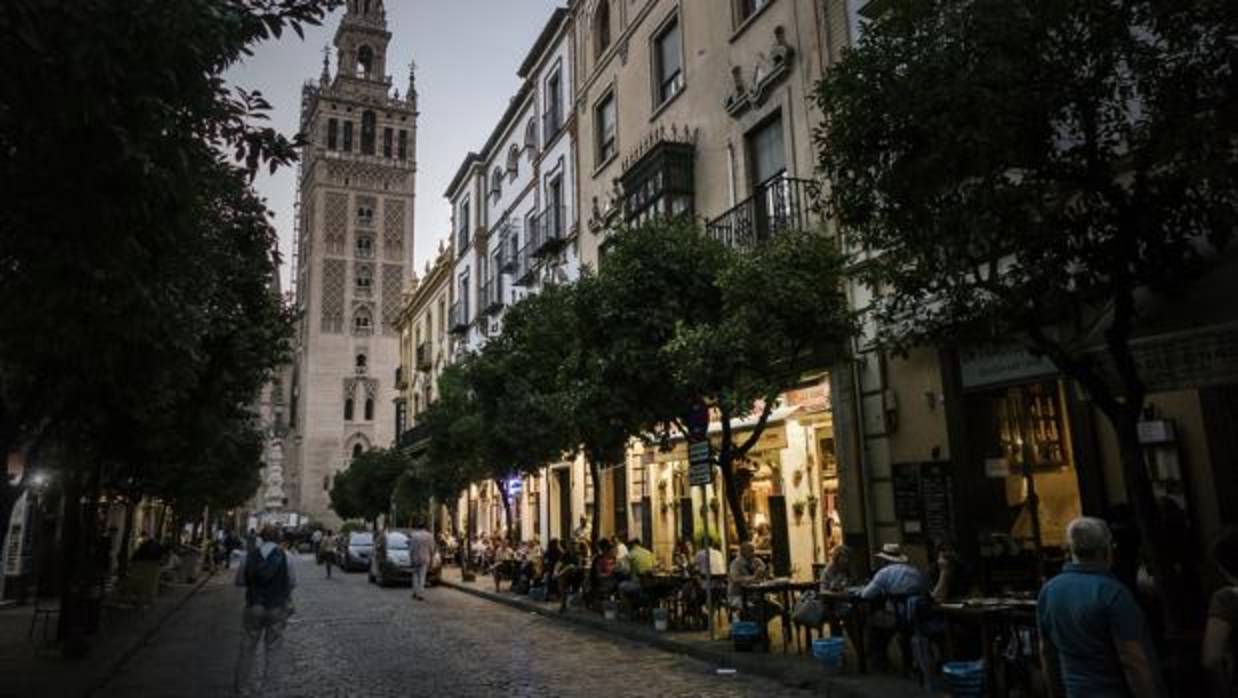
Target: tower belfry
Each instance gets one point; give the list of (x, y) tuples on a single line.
[(356, 192)]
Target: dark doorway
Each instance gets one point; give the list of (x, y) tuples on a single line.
[(563, 479), (619, 477)]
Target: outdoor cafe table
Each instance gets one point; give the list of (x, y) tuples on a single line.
[(989, 615), (784, 588)]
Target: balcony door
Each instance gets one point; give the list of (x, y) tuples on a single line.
[(767, 164)]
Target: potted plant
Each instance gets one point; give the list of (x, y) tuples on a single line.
[(798, 507)]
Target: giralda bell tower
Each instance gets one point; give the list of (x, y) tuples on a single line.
[(353, 256)]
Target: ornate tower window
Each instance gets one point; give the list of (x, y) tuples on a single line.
[(365, 246), (365, 62), (364, 280), (333, 134), (362, 322), (347, 136), (357, 450), (403, 152), (387, 140), (348, 409), (369, 131), (369, 409)]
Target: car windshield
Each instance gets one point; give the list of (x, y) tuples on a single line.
[(361, 539), (397, 541)]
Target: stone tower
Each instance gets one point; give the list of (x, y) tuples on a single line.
[(353, 257)]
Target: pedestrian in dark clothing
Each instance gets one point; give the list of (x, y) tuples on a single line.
[(267, 574), (1220, 656), (1094, 639)]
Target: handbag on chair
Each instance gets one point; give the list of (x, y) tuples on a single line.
[(809, 610)]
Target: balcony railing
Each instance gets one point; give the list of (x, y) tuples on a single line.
[(458, 318), (492, 295), (549, 230), (415, 436), (781, 203), (526, 266), (423, 357)]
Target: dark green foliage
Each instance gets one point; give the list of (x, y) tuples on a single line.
[(1029, 170), (364, 490)]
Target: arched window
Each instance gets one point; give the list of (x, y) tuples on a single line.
[(348, 410), (333, 134), (369, 409), (530, 138), (357, 450), (361, 363), (364, 280), (362, 322), (365, 61), (369, 132), (365, 247), (513, 161), (496, 182), (601, 29)]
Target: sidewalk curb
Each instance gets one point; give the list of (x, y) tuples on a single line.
[(748, 664), (146, 636)]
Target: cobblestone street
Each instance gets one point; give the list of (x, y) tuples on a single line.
[(350, 638)]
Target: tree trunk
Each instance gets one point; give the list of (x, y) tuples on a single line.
[(69, 629), (126, 538), (595, 474), (512, 536), (733, 500)]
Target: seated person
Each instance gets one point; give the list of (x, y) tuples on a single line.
[(896, 578), (602, 578), (762, 539), (569, 573), (836, 576), (683, 558), (947, 575), (710, 561), (747, 568), (550, 560), (640, 561)]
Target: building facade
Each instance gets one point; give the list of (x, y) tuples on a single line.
[(353, 259)]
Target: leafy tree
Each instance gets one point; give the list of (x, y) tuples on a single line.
[(367, 486), (1030, 170), (111, 132), (692, 322)]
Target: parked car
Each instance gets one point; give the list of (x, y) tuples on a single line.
[(354, 551), (390, 562)]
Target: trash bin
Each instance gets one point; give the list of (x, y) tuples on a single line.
[(828, 652), (964, 679), (745, 635), (660, 619)]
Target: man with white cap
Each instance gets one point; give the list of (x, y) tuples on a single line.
[(895, 578)]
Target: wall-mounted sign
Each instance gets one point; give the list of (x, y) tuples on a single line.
[(1003, 363)]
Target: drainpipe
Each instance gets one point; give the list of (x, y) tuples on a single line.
[(730, 173), (862, 456)]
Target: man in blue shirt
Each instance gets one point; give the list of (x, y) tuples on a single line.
[(1094, 641), (896, 580)]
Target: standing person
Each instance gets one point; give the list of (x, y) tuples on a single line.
[(581, 532), (709, 560), (1094, 640), (268, 577), (327, 545), (420, 555)]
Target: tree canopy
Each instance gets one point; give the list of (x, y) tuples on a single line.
[(1031, 170)]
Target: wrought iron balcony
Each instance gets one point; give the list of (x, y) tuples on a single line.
[(525, 267), (492, 295), (507, 255), (423, 357), (416, 436), (781, 203), (549, 231), (458, 318)]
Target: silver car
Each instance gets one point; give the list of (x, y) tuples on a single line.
[(355, 551)]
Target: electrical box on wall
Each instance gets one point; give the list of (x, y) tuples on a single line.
[(1157, 431)]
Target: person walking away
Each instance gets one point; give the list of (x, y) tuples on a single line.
[(268, 578), (328, 551), (420, 555), (896, 579), (1220, 656), (1094, 639)]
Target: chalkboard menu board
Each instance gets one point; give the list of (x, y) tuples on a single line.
[(924, 501)]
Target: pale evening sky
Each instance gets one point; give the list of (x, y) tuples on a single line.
[(467, 53)]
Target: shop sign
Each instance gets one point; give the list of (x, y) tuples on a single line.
[(1004, 363), (814, 398), (700, 469), (1192, 359), (996, 467)]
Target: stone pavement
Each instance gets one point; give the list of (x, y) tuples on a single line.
[(349, 638), (793, 671), (35, 669)]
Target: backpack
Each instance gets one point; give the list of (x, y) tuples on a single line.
[(266, 579)]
